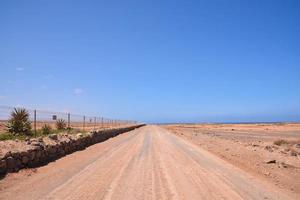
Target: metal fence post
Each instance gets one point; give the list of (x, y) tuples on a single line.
[(69, 121), (83, 123), (34, 122), (51, 118)]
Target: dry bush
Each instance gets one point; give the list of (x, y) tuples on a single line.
[(61, 124), (280, 142), (46, 129)]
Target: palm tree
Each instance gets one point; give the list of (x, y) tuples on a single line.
[(19, 122)]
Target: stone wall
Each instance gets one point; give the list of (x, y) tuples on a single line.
[(39, 151)]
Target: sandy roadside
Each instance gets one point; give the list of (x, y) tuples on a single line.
[(250, 147)]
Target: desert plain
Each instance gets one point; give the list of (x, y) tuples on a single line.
[(177, 161)]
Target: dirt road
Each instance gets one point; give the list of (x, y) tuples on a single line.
[(147, 163)]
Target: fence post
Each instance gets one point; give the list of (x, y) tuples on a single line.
[(83, 123), (102, 122), (34, 122), (94, 123), (69, 127)]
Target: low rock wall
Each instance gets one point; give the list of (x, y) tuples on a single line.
[(39, 151)]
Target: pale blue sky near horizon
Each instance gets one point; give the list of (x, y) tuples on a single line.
[(153, 61)]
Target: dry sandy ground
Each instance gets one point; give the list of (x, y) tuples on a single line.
[(147, 163), (250, 146)]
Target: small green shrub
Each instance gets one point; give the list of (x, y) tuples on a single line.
[(19, 123), (46, 129), (61, 124), (6, 136)]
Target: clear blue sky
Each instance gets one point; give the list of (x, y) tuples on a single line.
[(154, 61)]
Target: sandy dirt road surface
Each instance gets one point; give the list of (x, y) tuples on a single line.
[(147, 163)]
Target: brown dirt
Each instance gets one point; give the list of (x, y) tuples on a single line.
[(250, 146), (147, 163)]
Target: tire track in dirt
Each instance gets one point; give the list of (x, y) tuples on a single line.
[(148, 163)]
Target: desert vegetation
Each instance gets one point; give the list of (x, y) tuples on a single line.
[(19, 123), (61, 124), (22, 123), (46, 129), (19, 127), (280, 142)]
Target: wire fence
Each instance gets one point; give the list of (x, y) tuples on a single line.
[(39, 118)]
